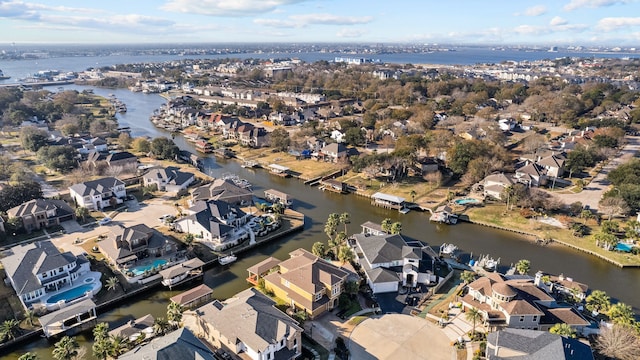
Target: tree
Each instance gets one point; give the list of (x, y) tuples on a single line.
[(613, 206), (331, 225), (345, 218), (563, 329), (345, 254), (468, 276), (174, 313), (101, 331), (141, 145), (9, 330), (598, 301), (318, 249), (14, 195), (28, 356), (112, 283), (396, 228), (30, 316), (621, 314), (618, 342), (354, 136), (81, 212), (413, 195), (351, 287), (160, 326), (65, 349), (474, 315), (523, 266), (32, 138), (61, 158), (279, 139), (119, 346), (386, 225), (124, 141), (102, 348), (163, 148)]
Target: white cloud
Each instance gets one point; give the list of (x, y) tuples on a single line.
[(557, 20), (615, 23), (534, 11), (226, 7), (300, 21), (350, 33), (578, 4)]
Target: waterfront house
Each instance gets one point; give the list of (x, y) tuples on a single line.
[(100, 193), (122, 159), (180, 344), (494, 185), (389, 261), (223, 190), (42, 213), (306, 282), (333, 152), (129, 244), (531, 174), (276, 196), (532, 344), (38, 270), (387, 201), (561, 285), (247, 325), (169, 179), (193, 298), (69, 320), (133, 330)]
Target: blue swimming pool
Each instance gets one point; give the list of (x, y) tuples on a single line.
[(624, 247), (467, 201), (70, 294), (139, 270)]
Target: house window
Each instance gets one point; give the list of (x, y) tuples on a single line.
[(521, 318), (535, 317), (44, 275), (318, 296)]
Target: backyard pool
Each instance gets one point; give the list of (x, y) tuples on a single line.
[(624, 247), (140, 269), (70, 294), (467, 201)]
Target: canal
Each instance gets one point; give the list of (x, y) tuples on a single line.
[(621, 284)]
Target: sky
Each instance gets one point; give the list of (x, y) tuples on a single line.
[(494, 22)]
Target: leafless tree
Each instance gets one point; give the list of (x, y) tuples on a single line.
[(620, 342), (613, 206)]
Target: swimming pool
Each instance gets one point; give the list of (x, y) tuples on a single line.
[(70, 294), (467, 201), (140, 269), (624, 247)]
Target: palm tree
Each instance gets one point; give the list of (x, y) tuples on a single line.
[(345, 253), (468, 276), (119, 346), (101, 331), (386, 225), (10, 329), (28, 356), (101, 347), (318, 249), (30, 316), (345, 218), (474, 315), (65, 349), (396, 228), (621, 314), (112, 283), (82, 212), (174, 313), (598, 301), (160, 326), (523, 266), (563, 329), (413, 195), (331, 225), (188, 239)]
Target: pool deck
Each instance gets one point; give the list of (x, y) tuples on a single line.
[(91, 275)]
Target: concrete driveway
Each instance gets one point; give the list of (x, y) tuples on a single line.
[(593, 191)]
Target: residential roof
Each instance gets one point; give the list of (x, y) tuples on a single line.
[(533, 345), (94, 187), (567, 315), (29, 260), (192, 294), (220, 189), (276, 193), (334, 148), (372, 226), (180, 344), (520, 307), (120, 243), (122, 155), (530, 169), (181, 268), (387, 197), (133, 327), (68, 312), (170, 175), (552, 161), (264, 265), (251, 318), (278, 167), (500, 179), (382, 275), (40, 205)]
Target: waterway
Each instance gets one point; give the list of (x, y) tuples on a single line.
[(621, 284)]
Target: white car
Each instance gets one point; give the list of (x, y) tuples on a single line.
[(104, 221)]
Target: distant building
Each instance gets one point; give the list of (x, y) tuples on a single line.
[(100, 193)]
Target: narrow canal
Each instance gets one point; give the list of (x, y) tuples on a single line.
[(621, 284)]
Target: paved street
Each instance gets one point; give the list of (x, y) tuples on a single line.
[(593, 191)]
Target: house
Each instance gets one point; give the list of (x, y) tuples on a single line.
[(193, 298), (169, 179), (307, 282), (553, 165), (100, 193), (128, 244), (495, 184), (531, 174), (248, 325), (337, 135), (39, 268), (42, 213), (123, 159), (333, 152), (428, 165), (79, 315), (519, 303), (561, 285), (214, 222), (507, 124), (533, 344), (223, 190), (389, 262), (179, 344), (133, 330)]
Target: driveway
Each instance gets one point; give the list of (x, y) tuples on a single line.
[(593, 191), (71, 226)]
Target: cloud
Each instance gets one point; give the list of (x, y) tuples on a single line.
[(300, 21), (236, 8), (557, 24), (557, 20), (533, 11), (23, 10), (578, 4), (350, 33), (615, 23)]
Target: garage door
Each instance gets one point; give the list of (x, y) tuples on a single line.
[(385, 287)]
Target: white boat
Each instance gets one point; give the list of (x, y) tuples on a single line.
[(227, 259), (448, 249), (490, 264)]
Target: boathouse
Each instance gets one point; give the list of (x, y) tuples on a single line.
[(276, 196), (180, 273), (279, 170), (69, 318), (387, 201), (194, 298), (333, 185), (261, 269)]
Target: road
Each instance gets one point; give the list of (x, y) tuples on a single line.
[(592, 192)]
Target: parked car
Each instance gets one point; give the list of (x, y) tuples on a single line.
[(105, 221)]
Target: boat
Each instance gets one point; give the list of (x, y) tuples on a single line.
[(448, 249), (227, 259), (3, 77)]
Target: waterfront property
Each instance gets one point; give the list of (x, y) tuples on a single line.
[(179, 344), (223, 190), (124, 246), (100, 193), (306, 282), (248, 325), (388, 201), (182, 272), (132, 330), (40, 274), (279, 170), (276, 196), (532, 344), (193, 298), (261, 269), (389, 261), (41, 213), (168, 179), (69, 320), (444, 214), (333, 185)]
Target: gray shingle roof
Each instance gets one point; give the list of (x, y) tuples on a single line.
[(535, 345), (178, 345), (381, 249), (171, 173), (39, 205), (98, 186)]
